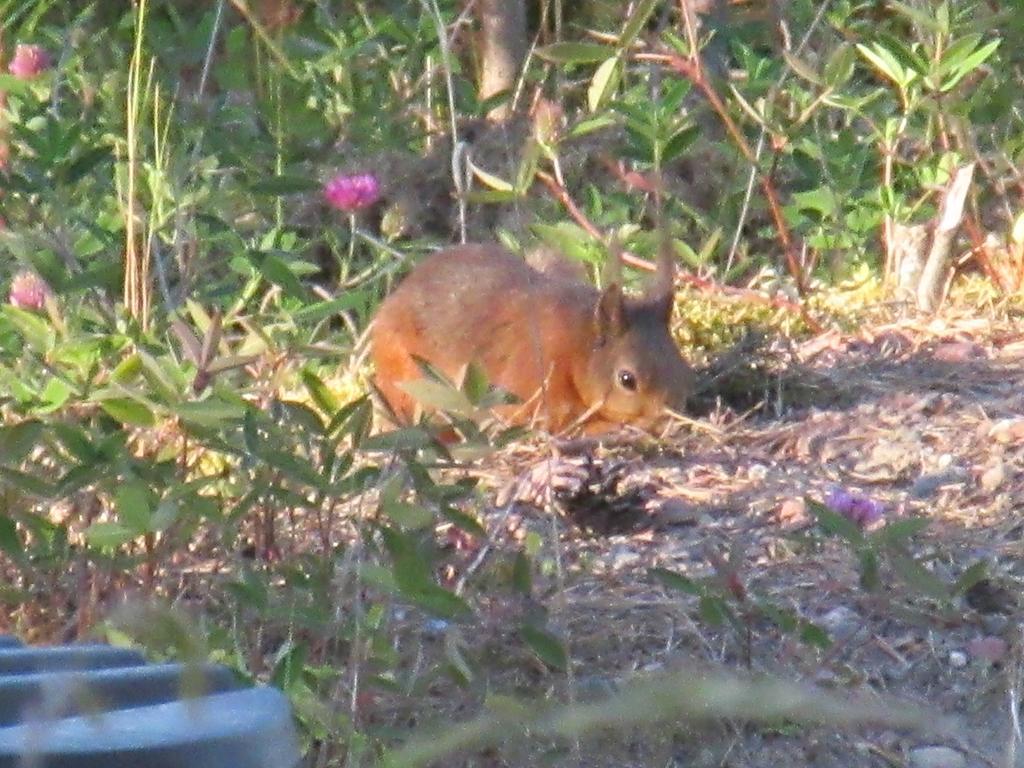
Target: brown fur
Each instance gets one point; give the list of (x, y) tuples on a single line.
[(558, 344)]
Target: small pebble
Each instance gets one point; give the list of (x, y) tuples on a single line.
[(936, 757), (435, 627), (757, 472), (957, 659), (840, 622), (1007, 431), (928, 484), (792, 511), (678, 512), (992, 477)]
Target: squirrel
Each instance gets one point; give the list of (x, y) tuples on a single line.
[(571, 354)]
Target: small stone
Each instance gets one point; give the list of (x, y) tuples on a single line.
[(936, 757), (840, 622), (927, 485), (757, 472), (792, 512), (1007, 431), (992, 477), (435, 627), (957, 659), (825, 678), (678, 512)]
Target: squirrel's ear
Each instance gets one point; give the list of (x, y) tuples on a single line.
[(610, 313), (661, 306), (662, 286)]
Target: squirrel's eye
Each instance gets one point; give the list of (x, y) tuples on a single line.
[(627, 380)]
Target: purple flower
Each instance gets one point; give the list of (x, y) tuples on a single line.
[(855, 507), (29, 61), (28, 291), (352, 192)]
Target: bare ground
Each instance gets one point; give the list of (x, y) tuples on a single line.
[(928, 419)]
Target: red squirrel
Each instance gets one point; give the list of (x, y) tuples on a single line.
[(570, 353)]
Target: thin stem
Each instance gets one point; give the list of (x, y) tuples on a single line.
[(458, 149)]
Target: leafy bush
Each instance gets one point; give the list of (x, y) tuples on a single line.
[(184, 409)]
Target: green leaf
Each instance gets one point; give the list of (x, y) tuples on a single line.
[(127, 370), (463, 521), (212, 412), (675, 581), (475, 384), (490, 180), (636, 22), (352, 419), (604, 83), (17, 440), (679, 142), (840, 65), (159, 375), (356, 300), (570, 239), (814, 636), (109, 535), (54, 395), (296, 468), (592, 124), (492, 197), (528, 165), (11, 84), (969, 578), (835, 524), (821, 200), (407, 516), (801, 68), (869, 578), (971, 63), (900, 530), (437, 601), (522, 573), (85, 162), (318, 391), (885, 63), (128, 411), (36, 331), (277, 271), (573, 53), (134, 506), (168, 510), (440, 396), (548, 648), (957, 52), (918, 577), (10, 541), (714, 611)]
